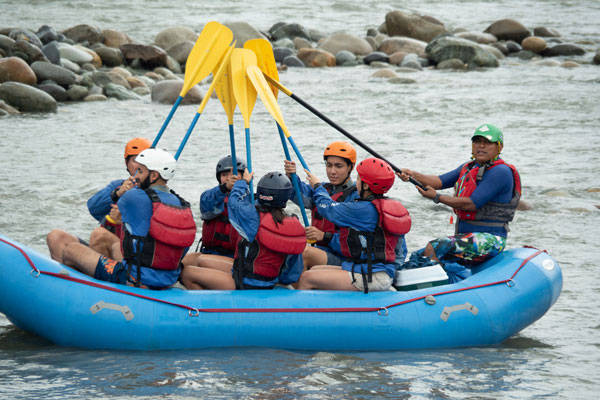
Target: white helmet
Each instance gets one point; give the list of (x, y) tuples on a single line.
[(158, 160)]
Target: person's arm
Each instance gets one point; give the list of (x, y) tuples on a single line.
[(427, 180), (360, 215), (136, 211), (242, 213), (212, 202), (99, 204)]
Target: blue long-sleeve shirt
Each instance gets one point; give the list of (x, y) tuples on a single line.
[(99, 204), (359, 215), (246, 220), (212, 203)]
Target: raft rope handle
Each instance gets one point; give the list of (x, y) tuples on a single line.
[(193, 311)]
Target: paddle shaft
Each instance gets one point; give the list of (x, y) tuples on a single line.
[(286, 151), (249, 163), (234, 169)]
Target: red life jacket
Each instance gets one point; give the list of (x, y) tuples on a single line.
[(263, 258), (326, 225), (380, 245), (172, 230), (502, 213), (218, 233)]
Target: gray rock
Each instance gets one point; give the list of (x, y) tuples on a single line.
[(493, 50), (371, 40), (54, 90), (508, 29), (343, 41), (95, 97), (141, 90), (447, 47), (524, 55), (6, 43), (405, 44), (8, 109), (77, 92), (119, 92), (243, 31), (118, 80), (316, 35), (301, 43), (285, 42), (502, 47), (74, 54), (26, 35), (279, 31), (3, 113), (542, 31), (110, 56), (84, 33), (402, 81), (166, 73), (546, 62), (27, 98), (27, 51), (51, 52), (478, 37), (282, 52), (418, 27), (169, 37), (386, 73), (47, 34), (181, 51), (60, 75), (70, 65), (379, 64), (98, 78), (411, 60), (564, 49), (372, 32), (88, 67), (376, 56), (114, 38), (173, 65), (293, 61), (452, 63), (344, 56), (95, 89), (513, 47), (404, 70), (351, 63), (596, 59), (166, 92), (150, 57)]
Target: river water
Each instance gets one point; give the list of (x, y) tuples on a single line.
[(52, 163)]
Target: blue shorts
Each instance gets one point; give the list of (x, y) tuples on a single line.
[(111, 271)]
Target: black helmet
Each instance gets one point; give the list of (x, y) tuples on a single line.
[(274, 190), (225, 164)]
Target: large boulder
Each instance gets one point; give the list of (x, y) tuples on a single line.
[(408, 45), (150, 57), (166, 92), (48, 71), (181, 51), (448, 47), (26, 98), (169, 37), (283, 30), (110, 56), (243, 31), (16, 70), (316, 58), (84, 33), (508, 29), (418, 27), (114, 38), (344, 41), (27, 51)]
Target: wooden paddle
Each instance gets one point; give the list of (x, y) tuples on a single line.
[(210, 46), (245, 95)]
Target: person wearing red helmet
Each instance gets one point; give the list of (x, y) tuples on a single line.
[(340, 158), (103, 204), (371, 233), (487, 192)]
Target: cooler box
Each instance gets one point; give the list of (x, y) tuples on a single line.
[(418, 278)]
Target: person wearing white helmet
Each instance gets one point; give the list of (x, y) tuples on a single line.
[(158, 228)]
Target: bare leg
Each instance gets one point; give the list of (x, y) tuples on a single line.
[(81, 257), (57, 240), (313, 256), (211, 261), (103, 241), (195, 278), (429, 252), (327, 277)]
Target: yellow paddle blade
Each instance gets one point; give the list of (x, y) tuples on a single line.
[(217, 75), (266, 95), (243, 90), (206, 53), (224, 90), (278, 84), (266, 59)]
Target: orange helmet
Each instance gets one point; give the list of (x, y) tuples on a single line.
[(341, 149), (135, 146)]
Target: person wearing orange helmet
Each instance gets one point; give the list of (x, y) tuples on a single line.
[(371, 233), (340, 158), (102, 205)]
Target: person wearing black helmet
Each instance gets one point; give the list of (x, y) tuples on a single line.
[(271, 242)]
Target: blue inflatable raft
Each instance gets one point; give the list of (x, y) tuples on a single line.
[(503, 296)]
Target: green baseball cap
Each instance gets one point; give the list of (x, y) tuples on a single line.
[(490, 132)]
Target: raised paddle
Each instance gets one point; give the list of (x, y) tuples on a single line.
[(217, 75), (266, 62), (339, 128), (210, 46), (224, 90), (245, 95)]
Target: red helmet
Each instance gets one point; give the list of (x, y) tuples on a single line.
[(377, 174), (135, 146)]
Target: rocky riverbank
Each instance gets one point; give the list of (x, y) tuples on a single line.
[(42, 69)]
